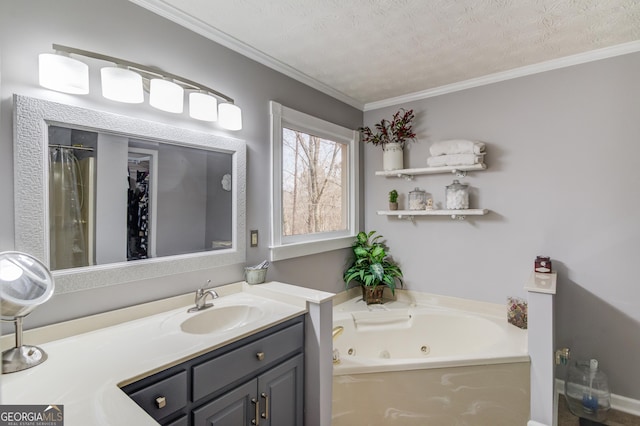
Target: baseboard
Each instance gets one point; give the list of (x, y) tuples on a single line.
[(618, 402)]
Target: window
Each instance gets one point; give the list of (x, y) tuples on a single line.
[(314, 184)]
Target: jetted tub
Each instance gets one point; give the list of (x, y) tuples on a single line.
[(428, 360)]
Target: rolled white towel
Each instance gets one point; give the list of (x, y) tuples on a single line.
[(457, 146), (455, 160)]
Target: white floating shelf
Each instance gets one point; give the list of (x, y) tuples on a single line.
[(455, 214), (409, 173)]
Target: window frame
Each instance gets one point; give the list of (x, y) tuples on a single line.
[(286, 247)]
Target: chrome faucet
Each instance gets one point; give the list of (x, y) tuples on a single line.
[(201, 298)]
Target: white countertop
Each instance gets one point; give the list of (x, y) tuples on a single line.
[(83, 371)]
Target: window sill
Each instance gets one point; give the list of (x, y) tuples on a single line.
[(306, 248)]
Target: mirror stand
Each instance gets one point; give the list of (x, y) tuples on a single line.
[(25, 283), (21, 356)]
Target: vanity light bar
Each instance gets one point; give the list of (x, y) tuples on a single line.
[(122, 83)]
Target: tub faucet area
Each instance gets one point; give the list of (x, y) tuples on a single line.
[(201, 298), (336, 353), (337, 331)]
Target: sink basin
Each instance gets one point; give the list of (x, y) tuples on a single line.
[(222, 318)]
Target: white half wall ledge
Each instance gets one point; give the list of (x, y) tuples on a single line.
[(541, 293), (542, 283)]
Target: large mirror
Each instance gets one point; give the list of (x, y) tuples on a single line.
[(104, 199)]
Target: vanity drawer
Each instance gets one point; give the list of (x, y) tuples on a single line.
[(164, 397), (227, 368)]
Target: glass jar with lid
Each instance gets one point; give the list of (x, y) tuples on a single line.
[(457, 196), (586, 390), (417, 199)]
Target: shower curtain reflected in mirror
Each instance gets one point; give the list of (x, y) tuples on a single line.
[(70, 209)]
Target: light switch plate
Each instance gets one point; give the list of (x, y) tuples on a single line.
[(254, 237)]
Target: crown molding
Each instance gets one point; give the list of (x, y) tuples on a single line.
[(161, 8), (567, 61), (165, 10)]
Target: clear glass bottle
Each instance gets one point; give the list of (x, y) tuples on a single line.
[(457, 196), (417, 199), (587, 391)]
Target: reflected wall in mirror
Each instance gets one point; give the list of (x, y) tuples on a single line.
[(107, 199)]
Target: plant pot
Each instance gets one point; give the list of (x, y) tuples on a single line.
[(392, 156), (373, 295), (393, 206)]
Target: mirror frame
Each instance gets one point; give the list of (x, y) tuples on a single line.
[(31, 191)]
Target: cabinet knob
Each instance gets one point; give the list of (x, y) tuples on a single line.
[(260, 356), (161, 402)]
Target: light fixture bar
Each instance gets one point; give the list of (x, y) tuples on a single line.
[(150, 72)]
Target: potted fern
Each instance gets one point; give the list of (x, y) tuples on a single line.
[(391, 136), (372, 268)]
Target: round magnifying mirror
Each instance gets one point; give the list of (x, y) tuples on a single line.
[(24, 284)]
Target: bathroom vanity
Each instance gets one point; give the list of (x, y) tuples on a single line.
[(256, 357), (257, 380)]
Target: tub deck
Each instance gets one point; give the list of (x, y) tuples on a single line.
[(425, 359), (424, 331)]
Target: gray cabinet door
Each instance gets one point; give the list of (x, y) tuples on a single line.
[(235, 408), (281, 392)]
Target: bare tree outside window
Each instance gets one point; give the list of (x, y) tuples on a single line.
[(313, 184)]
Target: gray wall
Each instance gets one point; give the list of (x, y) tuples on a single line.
[(111, 199), (219, 212), (122, 29), (182, 200), (561, 181)]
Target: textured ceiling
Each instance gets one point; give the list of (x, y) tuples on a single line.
[(372, 50)]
